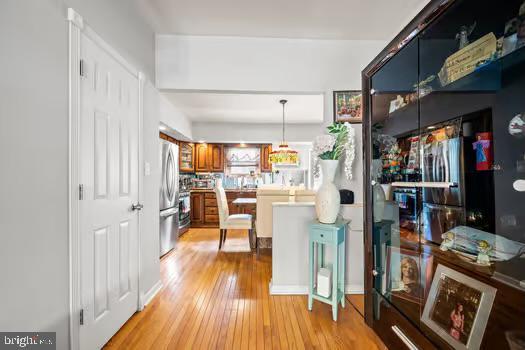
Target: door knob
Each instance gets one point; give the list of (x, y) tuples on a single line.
[(137, 206)]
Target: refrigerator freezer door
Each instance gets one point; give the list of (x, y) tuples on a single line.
[(438, 219), (169, 229), (442, 162)]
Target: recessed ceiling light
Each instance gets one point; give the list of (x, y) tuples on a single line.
[(162, 127), (431, 127), (202, 141)]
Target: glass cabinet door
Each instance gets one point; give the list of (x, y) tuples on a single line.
[(472, 159), (395, 174)]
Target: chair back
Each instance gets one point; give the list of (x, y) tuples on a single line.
[(222, 205)]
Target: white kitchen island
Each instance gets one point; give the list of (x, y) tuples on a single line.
[(290, 247)]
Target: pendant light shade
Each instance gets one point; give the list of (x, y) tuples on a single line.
[(284, 155)]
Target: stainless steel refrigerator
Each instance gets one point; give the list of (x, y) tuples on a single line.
[(443, 208), (169, 196)]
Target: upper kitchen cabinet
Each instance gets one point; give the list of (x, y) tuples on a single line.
[(209, 157), (216, 157), (266, 166), (201, 157), (186, 157)]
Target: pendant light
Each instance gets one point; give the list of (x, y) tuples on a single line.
[(284, 156)]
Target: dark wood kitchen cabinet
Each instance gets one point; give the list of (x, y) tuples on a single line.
[(201, 157), (186, 157), (209, 157), (266, 166), (443, 134), (216, 157), (197, 208), (204, 209)]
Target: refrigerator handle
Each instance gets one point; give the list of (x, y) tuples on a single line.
[(446, 160)]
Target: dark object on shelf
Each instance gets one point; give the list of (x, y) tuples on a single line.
[(347, 196)]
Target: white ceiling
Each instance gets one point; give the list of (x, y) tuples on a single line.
[(316, 19), (248, 108)]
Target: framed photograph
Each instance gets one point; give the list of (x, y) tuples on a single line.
[(458, 308), (347, 106), (407, 273)]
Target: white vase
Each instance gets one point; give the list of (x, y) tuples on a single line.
[(327, 199)]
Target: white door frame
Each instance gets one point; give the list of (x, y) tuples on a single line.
[(77, 26)]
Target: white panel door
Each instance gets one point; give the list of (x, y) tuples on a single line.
[(109, 175)]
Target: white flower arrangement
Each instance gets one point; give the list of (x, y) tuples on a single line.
[(324, 143), (338, 143)]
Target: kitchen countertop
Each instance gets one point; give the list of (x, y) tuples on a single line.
[(293, 204), (226, 190)]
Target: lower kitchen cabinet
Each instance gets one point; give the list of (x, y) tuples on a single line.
[(197, 208), (205, 212)]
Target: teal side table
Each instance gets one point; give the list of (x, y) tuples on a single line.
[(333, 235)]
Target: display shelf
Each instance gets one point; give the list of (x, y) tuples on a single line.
[(484, 79)]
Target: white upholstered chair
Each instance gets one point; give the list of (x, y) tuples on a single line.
[(227, 221)]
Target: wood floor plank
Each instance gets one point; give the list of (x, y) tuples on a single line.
[(214, 299)]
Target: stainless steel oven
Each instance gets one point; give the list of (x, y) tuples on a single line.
[(184, 212)]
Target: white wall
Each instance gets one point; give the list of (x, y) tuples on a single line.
[(121, 24), (150, 264), (34, 270), (173, 117), (290, 229), (260, 64), (34, 287)]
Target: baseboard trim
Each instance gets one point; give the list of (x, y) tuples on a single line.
[(288, 290), (354, 289), (303, 290), (150, 294)]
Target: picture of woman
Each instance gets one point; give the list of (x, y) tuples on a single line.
[(455, 308), (406, 275), (457, 320), (410, 282)]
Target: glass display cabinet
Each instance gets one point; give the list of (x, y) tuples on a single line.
[(444, 133)]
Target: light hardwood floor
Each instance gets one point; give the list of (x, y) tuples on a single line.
[(220, 300)]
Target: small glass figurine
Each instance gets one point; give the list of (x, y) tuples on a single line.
[(448, 241), (483, 252), (463, 35)]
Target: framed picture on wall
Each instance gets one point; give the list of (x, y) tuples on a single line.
[(458, 308), (347, 106)]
